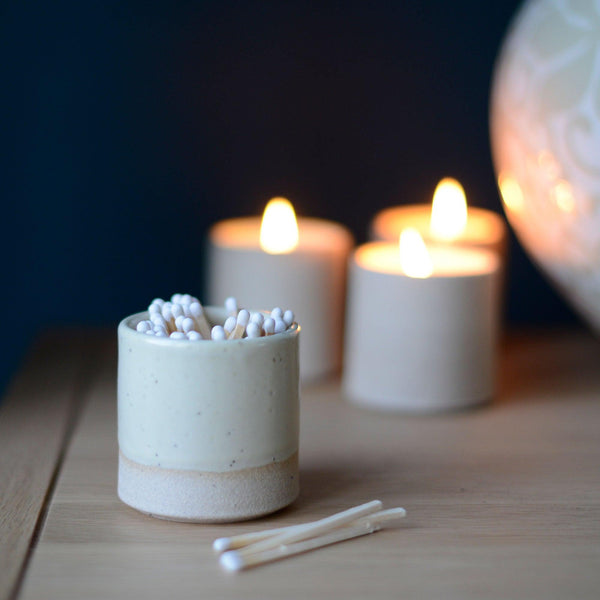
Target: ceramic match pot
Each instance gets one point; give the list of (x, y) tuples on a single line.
[(208, 430)]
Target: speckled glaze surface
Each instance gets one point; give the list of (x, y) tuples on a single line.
[(545, 133), (207, 407)]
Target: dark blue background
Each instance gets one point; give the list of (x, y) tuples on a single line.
[(129, 127)]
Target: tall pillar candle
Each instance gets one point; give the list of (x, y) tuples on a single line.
[(421, 343), (309, 278)]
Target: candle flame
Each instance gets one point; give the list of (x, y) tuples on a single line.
[(414, 257), (448, 211), (279, 228)]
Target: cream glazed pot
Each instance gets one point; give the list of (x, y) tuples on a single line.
[(208, 430)]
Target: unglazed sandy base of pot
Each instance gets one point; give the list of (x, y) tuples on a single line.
[(207, 497)]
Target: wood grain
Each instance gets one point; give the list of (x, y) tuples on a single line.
[(503, 501), (35, 418)]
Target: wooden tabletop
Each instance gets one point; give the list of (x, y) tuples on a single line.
[(502, 501)]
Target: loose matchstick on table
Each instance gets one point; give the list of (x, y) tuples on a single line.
[(265, 546), (241, 541)]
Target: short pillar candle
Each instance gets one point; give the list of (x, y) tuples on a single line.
[(308, 276), (447, 220), (424, 343)]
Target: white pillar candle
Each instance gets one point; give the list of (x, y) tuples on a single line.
[(208, 430), (422, 343), (447, 220), (308, 277)]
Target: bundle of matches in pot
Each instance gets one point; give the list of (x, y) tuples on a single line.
[(183, 318)]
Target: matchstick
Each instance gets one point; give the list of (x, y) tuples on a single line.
[(229, 325), (187, 325), (236, 560), (202, 325), (218, 333), (253, 330), (258, 318), (240, 327), (231, 306), (187, 299), (168, 317), (269, 326), (179, 322), (308, 530), (154, 308), (144, 326), (280, 325), (245, 539), (177, 311), (288, 317)]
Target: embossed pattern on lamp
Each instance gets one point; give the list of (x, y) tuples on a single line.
[(545, 134)]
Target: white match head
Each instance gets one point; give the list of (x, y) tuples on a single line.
[(157, 301), (176, 298), (288, 317), (177, 310), (269, 326), (161, 333), (158, 319), (243, 317), (217, 333), (144, 326), (196, 309), (231, 561), (258, 318), (187, 324), (166, 312), (277, 313), (185, 299), (149, 332), (230, 323), (221, 544), (280, 326), (253, 330), (178, 335), (179, 322), (193, 336), (231, 305), (154, 308)]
